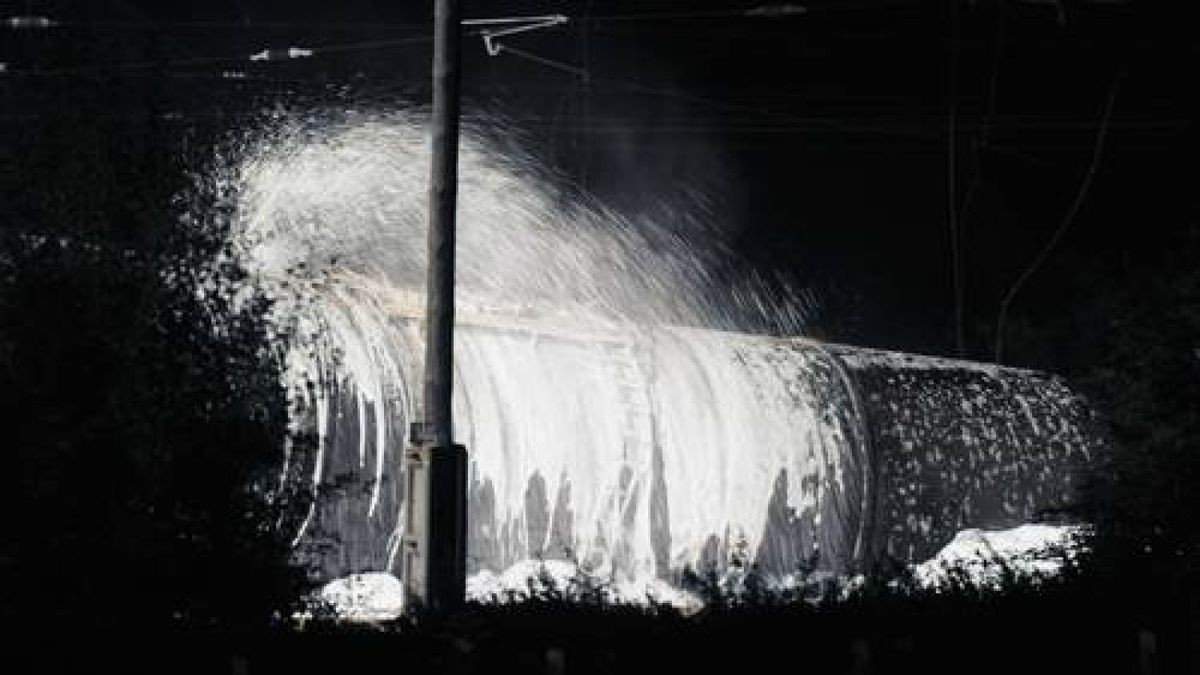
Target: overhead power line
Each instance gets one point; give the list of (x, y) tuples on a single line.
[(494, 28), (1068, 219), (549, 63), (511, 25), (270, 54), (490, 29), (766, 11)]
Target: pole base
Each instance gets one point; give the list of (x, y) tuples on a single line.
[(434, 566)]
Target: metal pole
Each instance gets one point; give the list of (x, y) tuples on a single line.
[(435, 553), (443, 190)]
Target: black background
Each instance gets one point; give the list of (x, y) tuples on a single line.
[(822, 137)]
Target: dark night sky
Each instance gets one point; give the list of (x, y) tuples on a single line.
[(824, 136)]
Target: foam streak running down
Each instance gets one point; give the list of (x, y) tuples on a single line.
[(599, 430)]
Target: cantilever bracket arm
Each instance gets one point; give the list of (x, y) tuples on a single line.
[(511, 25)]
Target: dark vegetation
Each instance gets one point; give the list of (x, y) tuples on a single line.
[(1047, 626), (143, 413), (1143, 373)]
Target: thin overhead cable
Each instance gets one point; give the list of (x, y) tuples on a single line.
[(488, 29), (264, 55), (504, 27), (550, 63), (585, 97), (1068, 219), (767, 11), (493, 28)]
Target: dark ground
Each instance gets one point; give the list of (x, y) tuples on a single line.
[(1065, 628)]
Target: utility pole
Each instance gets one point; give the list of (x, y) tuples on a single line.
[(435, 544)]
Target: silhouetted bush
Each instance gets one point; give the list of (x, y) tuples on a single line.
[(144, 414)]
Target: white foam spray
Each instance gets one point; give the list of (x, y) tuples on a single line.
[(591, 360)]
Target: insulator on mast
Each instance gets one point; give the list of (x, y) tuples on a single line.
[(773, 11), (27, 22), (282, 54)]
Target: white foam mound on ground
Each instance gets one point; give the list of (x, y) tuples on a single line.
[(560, 579), (371, 596), (974, 558), (979, 558), (985, 558)]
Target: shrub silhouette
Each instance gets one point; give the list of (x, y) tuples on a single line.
[(143, 408)]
